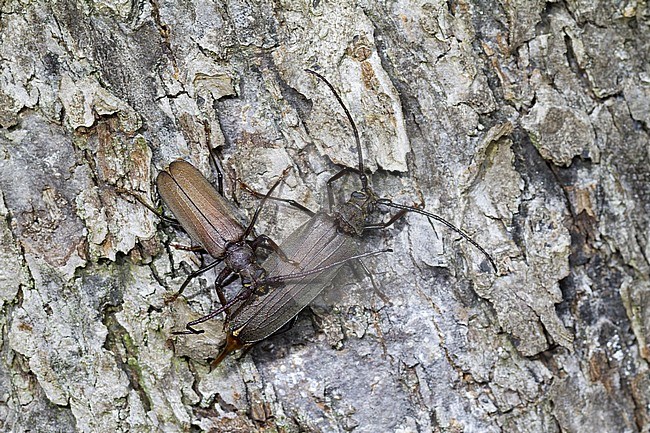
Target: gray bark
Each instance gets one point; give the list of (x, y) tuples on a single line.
[(524, 123)]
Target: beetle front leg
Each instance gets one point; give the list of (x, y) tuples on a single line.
[(263, 241)]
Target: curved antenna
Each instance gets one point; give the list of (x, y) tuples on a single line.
[(355, 131), (387, 202), (249, 229)]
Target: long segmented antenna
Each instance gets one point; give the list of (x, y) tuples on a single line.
[(355, 131), (298, 275), (249, 229), (387, 202)]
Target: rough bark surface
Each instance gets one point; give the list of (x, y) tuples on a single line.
[(526, 123)]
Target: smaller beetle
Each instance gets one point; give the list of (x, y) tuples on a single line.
[(210, 221)]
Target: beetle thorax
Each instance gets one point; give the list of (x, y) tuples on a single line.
[(239, 257), (352, 216)]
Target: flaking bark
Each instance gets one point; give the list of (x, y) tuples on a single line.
[(524, 123)]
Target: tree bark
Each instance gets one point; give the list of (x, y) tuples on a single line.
[(526, 124)]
